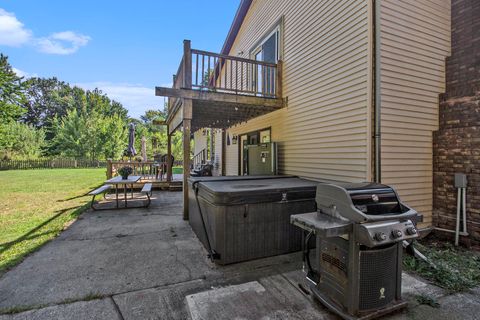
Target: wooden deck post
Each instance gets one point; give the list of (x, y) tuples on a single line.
[(187, 122), (187, 126), (279, 85), (109, 169), (187, 64), (169, 155)]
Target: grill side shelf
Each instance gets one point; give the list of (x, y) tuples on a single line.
[(321, 224)]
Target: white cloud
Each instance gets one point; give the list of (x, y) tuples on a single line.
[(12, 32), (136, 98), (24, 74), (66, 42)]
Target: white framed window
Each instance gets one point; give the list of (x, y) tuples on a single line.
[(268, 49)]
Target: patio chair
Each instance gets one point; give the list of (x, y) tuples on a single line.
[(204, 171), (163, 164)]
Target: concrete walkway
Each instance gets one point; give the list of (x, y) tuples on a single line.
[(142, 263)]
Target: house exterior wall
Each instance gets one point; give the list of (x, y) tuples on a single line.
[(217, 152), (324, 132), (415, 41), (463, 71), (457, 142), (457, 150), (200, 142)]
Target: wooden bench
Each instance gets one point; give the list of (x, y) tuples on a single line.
[(103, 189), (147, 190)]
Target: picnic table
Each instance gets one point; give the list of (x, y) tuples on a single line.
[(130, 181), (115, 182)]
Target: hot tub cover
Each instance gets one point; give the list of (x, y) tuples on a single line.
[(256, 190)]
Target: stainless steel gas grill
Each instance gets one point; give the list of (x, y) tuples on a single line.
[(359, 232)]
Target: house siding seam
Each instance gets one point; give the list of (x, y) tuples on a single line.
[(324, 131), (415, 42)]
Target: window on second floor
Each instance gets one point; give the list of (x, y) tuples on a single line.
[(267, 50)]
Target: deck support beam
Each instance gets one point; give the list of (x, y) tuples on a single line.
[(219, 97), (169, 156), (187, 126)]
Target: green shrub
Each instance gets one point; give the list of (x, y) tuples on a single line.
[(455, 269)]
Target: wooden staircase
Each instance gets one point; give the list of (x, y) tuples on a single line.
[(175, 186)]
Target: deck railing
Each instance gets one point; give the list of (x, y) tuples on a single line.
[(200, 158), (214, 72), (148, 170), (221, 73)]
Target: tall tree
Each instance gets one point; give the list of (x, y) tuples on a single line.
[(155, 135), (12, 92), (46, 99), (114, 136), (71, 137), (19, 140)]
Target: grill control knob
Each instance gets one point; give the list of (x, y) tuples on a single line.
[(411, 231), (380, 236), (396, 233)]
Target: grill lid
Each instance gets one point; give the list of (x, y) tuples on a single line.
[(361, 202), (376, 201)]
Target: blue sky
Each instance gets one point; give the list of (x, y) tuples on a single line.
[(125, 48)]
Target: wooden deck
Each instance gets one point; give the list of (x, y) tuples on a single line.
[(150, 172), (218, 91), (175, 185), (212, 90)]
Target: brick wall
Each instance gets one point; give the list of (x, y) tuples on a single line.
[(463, 67), (456, 145), (457, 149)]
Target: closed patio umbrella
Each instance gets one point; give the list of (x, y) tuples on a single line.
[(130, 151)]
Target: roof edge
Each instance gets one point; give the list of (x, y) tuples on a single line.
[(236, 24)]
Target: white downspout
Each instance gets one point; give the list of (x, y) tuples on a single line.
[(378, 100)]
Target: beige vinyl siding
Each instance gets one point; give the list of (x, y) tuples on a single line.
[(217, 148), (200, 142), (415, 40), (324, 132)]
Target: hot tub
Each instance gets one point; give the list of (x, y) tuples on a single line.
[(248, 217)]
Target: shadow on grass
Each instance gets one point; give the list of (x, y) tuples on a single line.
[(77, 211), (30, 235), (82, 195), (73, 198), (6, 245)]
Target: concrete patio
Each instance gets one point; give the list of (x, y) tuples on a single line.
[(142, 263)]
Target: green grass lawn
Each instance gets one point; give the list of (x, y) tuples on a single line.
[(177, 170), (36, 205)]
